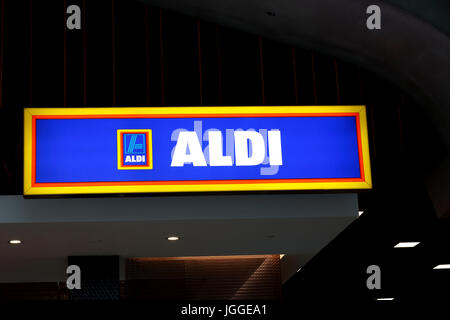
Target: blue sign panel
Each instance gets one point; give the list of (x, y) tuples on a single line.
[(283, 149)]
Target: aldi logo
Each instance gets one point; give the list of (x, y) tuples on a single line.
[(134, 149)]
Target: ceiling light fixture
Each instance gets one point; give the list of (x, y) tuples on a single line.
[(15, 241), (442, 266), (360, 212), (406, 244), (385, 299), (173, 238)]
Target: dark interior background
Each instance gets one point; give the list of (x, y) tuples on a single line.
[(130, 54)]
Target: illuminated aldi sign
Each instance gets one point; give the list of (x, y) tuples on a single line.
[(194, 149)]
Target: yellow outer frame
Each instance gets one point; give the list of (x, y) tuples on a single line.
[(149, 151), (30, 112)]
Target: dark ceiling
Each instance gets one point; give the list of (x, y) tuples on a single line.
[(435, 12)]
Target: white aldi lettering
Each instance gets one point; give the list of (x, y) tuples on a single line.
[(249, 148), (134, 159)]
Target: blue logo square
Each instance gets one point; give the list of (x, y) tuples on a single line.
[(134, 149)]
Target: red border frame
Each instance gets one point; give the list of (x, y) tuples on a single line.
[(184, 182)]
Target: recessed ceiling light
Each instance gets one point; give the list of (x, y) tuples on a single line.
[(384, 299), (442, 266), (406, 244), (15, 241), (360, 212), (173, 238), (282, 256)]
